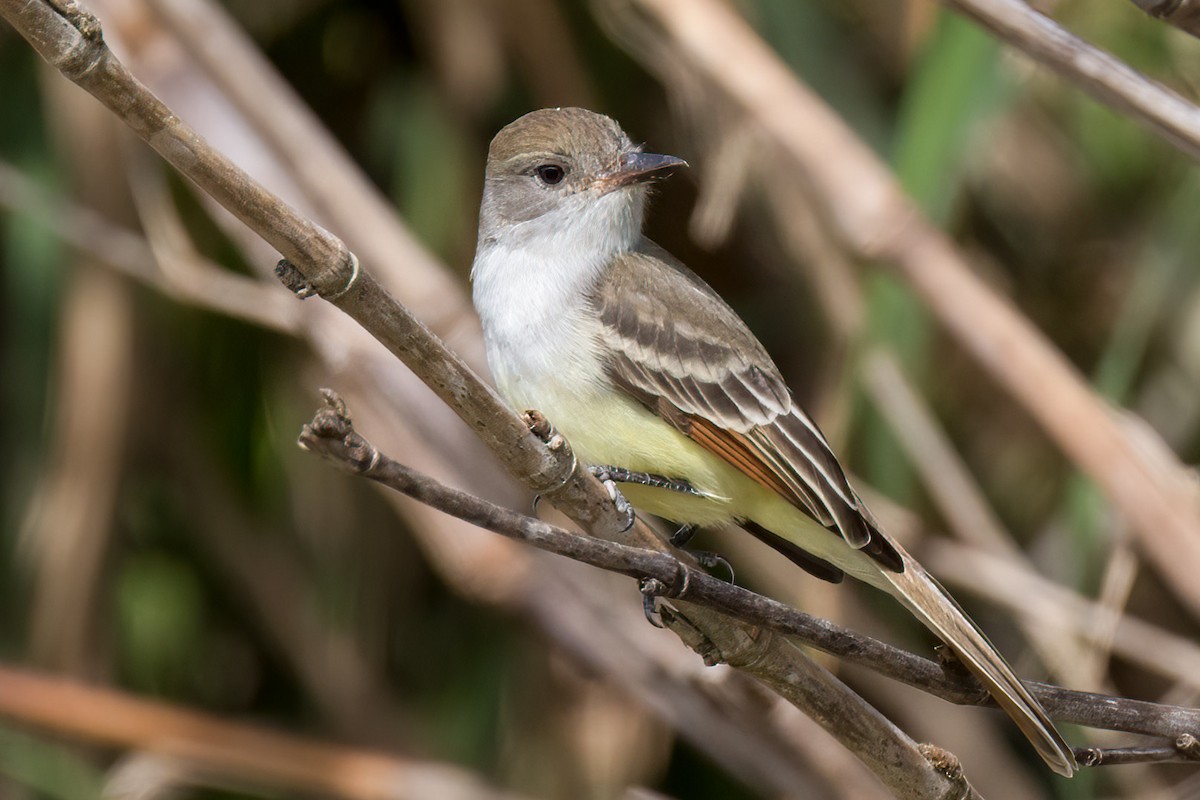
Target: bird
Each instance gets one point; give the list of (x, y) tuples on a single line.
[(653, 378)]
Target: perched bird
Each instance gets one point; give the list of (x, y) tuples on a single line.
[(648, 373)]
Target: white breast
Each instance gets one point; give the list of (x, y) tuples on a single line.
[(540, 339), (544, 346), (530, 289)]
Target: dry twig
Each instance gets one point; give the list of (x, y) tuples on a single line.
[(1104, 77), (317, 263), (866, 209), (332, 435), (251, 754), (711, 714)]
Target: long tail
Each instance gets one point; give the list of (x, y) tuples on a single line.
[(931, 604)]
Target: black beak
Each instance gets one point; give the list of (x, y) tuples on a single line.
[(641, 167)]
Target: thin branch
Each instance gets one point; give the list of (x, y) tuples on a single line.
[(865, 208), (1104, 77), (71, 40), (331, 435), (336, 186), (317, 263), (713, 720), (898, 761), (1183, 748), (203, 284), (231, 749)]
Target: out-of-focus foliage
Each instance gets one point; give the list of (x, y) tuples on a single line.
[(1085, 220)]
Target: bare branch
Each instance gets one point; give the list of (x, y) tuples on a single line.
[(73, 42), (865, 207), (890, 754), (1104, 77), (316, 262), (252, 754), (713, 720), (332, 435), (339, 190)]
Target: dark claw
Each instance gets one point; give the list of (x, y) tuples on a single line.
[(684, 535), (710, 560), (630, 515), (608, 477), (706, 559), (651, 589)]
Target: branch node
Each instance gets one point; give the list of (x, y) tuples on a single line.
[(1188, 745), (355, 272), (556, 443), (947, 764), (81, 19), (293, 279), (79, 59), (539, 426), (331, 433)]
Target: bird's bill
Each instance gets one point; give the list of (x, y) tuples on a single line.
[(638, 168)]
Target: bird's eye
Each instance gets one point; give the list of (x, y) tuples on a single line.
[(550, 174)]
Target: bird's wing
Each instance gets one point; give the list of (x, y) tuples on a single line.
[(714, 382)]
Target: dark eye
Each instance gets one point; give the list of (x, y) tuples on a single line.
[(550, 174)]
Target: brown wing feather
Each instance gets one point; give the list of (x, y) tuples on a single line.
[(717, 384)]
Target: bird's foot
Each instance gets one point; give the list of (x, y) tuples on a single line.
[(707, 559), (603, 475), (652, 589), (710, 561)]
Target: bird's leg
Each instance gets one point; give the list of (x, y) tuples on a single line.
[(622, 475), (611, 475), (949, 661), (684, 535)]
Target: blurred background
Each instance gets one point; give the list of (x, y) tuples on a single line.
[(161, 533)]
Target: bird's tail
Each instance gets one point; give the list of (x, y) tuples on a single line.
[(931, 604)]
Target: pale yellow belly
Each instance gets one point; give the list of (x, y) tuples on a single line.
[(614, 430)]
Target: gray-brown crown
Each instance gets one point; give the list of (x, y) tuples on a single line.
[(591, 142)]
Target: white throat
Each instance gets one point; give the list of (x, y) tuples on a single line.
[(530, 286)]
